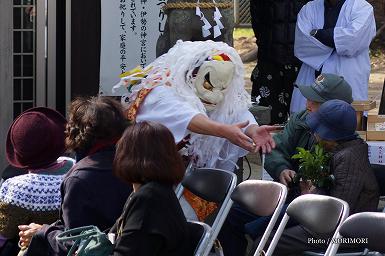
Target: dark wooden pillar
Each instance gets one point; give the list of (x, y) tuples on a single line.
[(85, 47), (60, 56), (382, 101)]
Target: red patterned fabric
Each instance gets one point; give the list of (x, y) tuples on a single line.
[(201, 207), (133, 109)]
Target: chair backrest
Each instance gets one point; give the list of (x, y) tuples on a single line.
[(262, 198), (318, 213), (210, 184), (199, 232), (213, 185), (369, 226), (10, 172), (259, 197), (311, 210), (67, 158)]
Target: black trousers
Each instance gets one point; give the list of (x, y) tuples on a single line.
[(274, 84)]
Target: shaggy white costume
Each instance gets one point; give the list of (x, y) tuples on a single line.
[(175, 93)]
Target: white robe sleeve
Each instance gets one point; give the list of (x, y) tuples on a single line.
[(248, 116), (307, 48), (356, 36), (162, 105)]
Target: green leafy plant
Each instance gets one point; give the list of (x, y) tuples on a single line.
[(314, 166)]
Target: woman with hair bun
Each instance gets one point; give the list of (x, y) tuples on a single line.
[(91, 194)]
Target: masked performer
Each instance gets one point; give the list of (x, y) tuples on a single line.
[(197, 91)]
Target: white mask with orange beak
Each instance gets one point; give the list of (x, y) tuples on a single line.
[(212, 80)]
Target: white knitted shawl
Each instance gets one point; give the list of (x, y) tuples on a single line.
[(35, 192)]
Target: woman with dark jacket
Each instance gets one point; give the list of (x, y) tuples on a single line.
[(152, 222), (90, 192)]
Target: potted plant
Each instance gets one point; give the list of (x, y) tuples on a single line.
[(314, 167)]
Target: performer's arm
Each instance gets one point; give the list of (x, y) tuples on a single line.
[(203, 125), (254, 139)]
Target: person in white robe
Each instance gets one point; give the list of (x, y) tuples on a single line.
[(354, 30)]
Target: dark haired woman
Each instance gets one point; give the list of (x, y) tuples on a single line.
[(152, 222), (91, 193)]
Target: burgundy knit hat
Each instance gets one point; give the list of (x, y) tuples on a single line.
[(35, 138)]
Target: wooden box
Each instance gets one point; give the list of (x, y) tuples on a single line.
[(362, 134), (376, 126), (366, 105), (360, 107)]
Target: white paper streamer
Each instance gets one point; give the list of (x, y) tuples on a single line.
[(219, 25), (206, 24)]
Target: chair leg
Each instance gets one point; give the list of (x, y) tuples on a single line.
[(239, 171), (277, 235)]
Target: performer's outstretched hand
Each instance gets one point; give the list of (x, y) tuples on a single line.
[(235, 135), (255, 137), (261, 137), (233, 132)]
